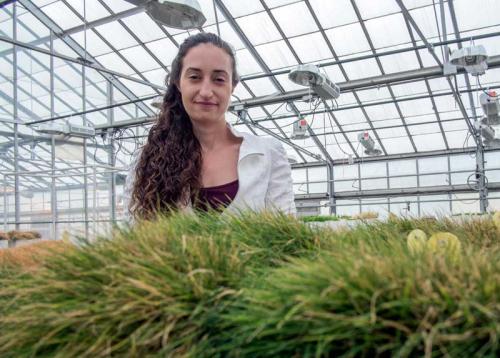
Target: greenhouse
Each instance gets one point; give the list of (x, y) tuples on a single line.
[(432, 141), (250, 178)]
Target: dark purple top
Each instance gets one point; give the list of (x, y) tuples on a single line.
[(217, 197)]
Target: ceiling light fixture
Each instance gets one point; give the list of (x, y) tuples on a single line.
[(179, 14), (473, 59), (309, 76), (369, 144)]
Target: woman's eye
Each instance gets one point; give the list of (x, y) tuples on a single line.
[(193, 77), (220, 80)]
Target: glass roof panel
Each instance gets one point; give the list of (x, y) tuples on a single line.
[(261, 86), (247, 65), (428, 128), (156, 76), (139, 90), (382, 32), (457, 138), (348, 39), (334, 13), (241, 92), (118, 5), (62, 15), (346, 99), (383, 7), (276, 3), (239, 8), (228, 34), (349, 115), (419, 106), (259, 28), (381, 112), (425, 17), (164, 50), (311, 48), (143, 27), (397, 145), (399, 62), (488, 11), (113, 62), (334, 73), (40, 3), (94, 45), (428, 60), (287, 84), (409, 89), (276, 55), (145, 64), (362, 69), (373, 94), (295, 19), (93, 9), (181, 36), (30, 29), (116, 35), (430, 141), (5, 26)]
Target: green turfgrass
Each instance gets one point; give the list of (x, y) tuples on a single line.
[(258, 285)]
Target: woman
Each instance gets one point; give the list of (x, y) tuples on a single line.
[(193, 158)]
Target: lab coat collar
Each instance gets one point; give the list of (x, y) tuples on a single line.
[(249, 145)]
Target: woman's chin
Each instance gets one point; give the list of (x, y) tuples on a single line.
[(204, 118)]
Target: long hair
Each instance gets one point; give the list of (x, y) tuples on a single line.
[(167, 174)]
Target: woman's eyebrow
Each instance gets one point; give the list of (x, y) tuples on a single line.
[(221, 71), (193, 69)]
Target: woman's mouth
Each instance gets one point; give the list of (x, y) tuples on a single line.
[(206, 104)]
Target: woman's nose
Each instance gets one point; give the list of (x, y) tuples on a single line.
[(206, 89)]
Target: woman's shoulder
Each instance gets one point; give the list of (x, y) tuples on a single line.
[(267, 142)]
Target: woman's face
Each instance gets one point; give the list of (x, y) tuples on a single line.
[(206, 82)]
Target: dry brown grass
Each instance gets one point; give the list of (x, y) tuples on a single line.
[(31, 256), (23, 235), (4, 236), (366, 215)]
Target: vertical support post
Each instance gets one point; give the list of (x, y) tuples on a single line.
[(449, 183), (388, 185), (53, 193), (85, 161), (17, 198), (5, 207), (481, 175), (330, 188), (445, 35), (418, 186), (360, 188), (94, 200), (111, 159)]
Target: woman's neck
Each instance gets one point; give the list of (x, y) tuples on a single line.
[(212, 136)]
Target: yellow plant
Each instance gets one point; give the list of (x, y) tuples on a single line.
[(416, 241), (496, 219), (445, 243)]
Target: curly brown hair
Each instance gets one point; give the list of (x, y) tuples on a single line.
[(167, 174)]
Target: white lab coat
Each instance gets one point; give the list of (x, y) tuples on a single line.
[(264, 175)]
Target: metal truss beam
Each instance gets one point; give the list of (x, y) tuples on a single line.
[(427, 85), (378, 54), (222, 7), (403, 156), (104, 71), (369, 82), (44, 19), (432, 190), (456, 95)]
